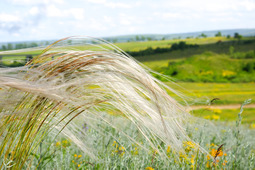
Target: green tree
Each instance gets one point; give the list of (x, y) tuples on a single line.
[(9, 46), (149, 38), (237, 36), (203, 35), (33, 44), (4, 47), (69, 42), (115, 40), (142, 38), (231, 51), (218, 34), (137, 38)]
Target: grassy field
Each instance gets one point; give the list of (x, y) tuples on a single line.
[(228, 93), (84, 113), (231, 94), (227, 115)]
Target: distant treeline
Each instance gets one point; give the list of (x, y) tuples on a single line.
[(175, 46), (15, 46)]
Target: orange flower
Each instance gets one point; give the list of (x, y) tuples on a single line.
[(224, 163), (214, 151)]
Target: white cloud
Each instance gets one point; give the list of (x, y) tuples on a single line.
[(34, 11), (125, 22), (109, 21), (96, 25), (125, 19), (32, 2), (53, 11), (77, 13), (117, 5), (110, 4), (202, 5), (9, 18), (176, 15), (248, 4), (222, 20), (98, 1)]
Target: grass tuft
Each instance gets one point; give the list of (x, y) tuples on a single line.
[(64, 88)]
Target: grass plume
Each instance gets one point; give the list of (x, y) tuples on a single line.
[(100, 86)]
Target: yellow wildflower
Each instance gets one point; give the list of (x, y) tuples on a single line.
[(149, 168), (207, 117), (168, 149), (187, 149), (121, 148), (79, 156), (135, 151), (191, 144), (65, 143), (217, 111), (227, 73), (79, 165), (253, 126), (192, 161), (215, 117), (75, 155), (58, 144), (208, 165), (182, 156)]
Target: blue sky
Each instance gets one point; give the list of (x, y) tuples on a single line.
[(22, 20)]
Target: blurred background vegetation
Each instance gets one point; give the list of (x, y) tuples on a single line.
[(206, 65)]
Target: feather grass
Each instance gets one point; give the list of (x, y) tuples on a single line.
[(64, 87)]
